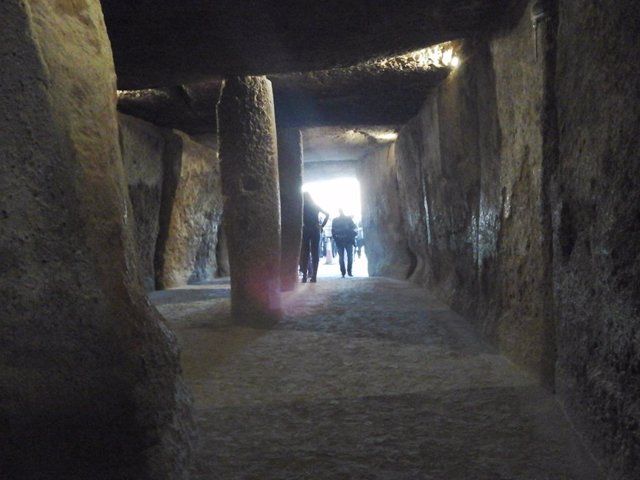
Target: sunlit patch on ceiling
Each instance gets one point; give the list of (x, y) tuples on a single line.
[(385, 136), (434, 58), (438, 56), (139, 94)]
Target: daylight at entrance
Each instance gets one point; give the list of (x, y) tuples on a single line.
[(336, 194)]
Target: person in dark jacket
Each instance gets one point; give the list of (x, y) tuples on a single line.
[(344, 231), (311, 227)]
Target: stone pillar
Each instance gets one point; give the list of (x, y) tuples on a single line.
[(89, 382), (290, 172), (249, 167)]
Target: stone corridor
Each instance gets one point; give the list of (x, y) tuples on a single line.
[(366, 378)]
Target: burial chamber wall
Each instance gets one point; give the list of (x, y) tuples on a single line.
[(190, 213), (469, 169), (388, 254), (176, 196), (519, 191), (595, 193), (89, 375)]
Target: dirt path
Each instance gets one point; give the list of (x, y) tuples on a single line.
[(366, 378)]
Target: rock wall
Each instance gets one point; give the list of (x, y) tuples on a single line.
[(190, 213), (518, 183), (470, 169), (176, 197), (89, 374), (386, 246), (142, 146), (524, 327), (222, 253), (438, 173), (595, 192)]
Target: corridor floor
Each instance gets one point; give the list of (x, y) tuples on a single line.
[(365, 378)]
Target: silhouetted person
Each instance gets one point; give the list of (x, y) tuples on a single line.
[(311, 228), (344, 232)]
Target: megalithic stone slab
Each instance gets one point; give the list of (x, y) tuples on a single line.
[(89, 375), (142, 146), (190, 213), (249, 168), (290, 174)]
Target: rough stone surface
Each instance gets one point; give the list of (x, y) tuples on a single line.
[(179, 41), (493, 193), (222, 253), (142, 147), (249, 156), (363, 379), (290, 181), (524, 327), (412, 193), (470, 174), (334, 152), (191, 213), (385, 243), (596, 224), (189, 108), (89, 383), (389, 91)]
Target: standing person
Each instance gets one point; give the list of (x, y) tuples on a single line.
[(344, 232), (311, 228)]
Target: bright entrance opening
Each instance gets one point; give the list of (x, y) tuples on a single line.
[(333, 195)]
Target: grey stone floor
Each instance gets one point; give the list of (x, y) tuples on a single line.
[(366, 378)]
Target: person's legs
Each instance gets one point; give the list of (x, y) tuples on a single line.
[(340, 246), (314, 245), (304, 255), (349, 259)]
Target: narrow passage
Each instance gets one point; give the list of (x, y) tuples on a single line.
[(366, 378)]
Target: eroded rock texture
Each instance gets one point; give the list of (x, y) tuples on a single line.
[(385, 242), (596, 223), (388, 91), (249, 160), (524, 328), (188, 108), (494, 192), (222, 253), (89, 383), (190, 214), (142, 147), (470, 171)]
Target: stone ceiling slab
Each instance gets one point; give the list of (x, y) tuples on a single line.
[(190, 108), (385, 92), (330, 144), (173, 42)]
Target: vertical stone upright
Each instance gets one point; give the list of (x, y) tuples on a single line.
[(190, 212), (249, 167), (142, 147), (290, 173), (89, 374), (594, 193)]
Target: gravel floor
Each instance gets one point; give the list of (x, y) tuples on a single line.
[(366, 378)]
